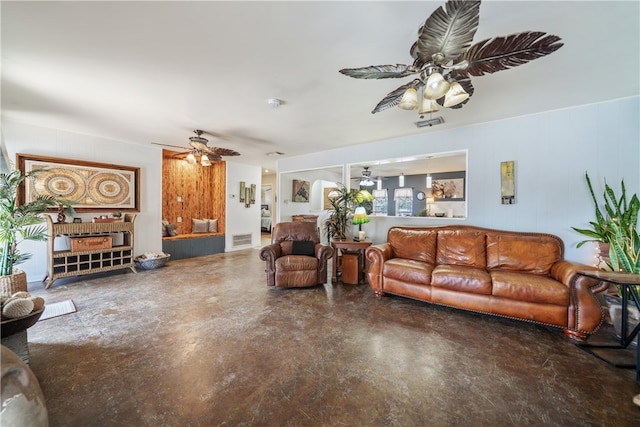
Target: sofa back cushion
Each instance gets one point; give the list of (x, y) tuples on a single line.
[(418, 245), (530, 253), (462, 247)]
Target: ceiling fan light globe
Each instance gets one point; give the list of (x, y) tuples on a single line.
[(428, 106), (204, 160), (409, 100), (455, 95), (191, 159), (436, 86)]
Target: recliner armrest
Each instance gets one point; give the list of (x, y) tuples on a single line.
[(323, 252), (270, 253)]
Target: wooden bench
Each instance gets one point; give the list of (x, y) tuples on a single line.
[(193, 245)]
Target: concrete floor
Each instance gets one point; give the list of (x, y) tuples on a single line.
[(204, 342)]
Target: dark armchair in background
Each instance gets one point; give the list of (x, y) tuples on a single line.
[(295, 257)]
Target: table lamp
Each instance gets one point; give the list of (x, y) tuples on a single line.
[(360, 217)]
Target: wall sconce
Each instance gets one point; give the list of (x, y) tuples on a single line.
[(401, 180), (247, 194)]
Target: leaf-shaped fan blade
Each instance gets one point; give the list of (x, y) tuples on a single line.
[(501, 53), (465, 81), (393, 98), (380, 71), (448, 32), (216, 151)]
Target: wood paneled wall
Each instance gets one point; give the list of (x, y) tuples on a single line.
[(203, 191)]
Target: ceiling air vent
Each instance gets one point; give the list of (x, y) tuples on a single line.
[(430, 122)]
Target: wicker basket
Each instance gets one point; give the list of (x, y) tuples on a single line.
[(16, 282), (151, 263)]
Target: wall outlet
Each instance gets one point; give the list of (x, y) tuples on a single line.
[(179, 198), (179, 219)]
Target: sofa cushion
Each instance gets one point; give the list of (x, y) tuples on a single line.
[(303, 247), (286, 246), (527, 253), (461, 278), (418, 245), (296, 263), (199, 225), (461, 247), (529, 287), (408, 270)]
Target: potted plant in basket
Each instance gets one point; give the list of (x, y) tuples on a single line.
[(344, 202), (19, 223)]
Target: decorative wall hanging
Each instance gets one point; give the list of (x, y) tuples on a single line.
[(247, 194), (508, 182), (327, 206), (242, 194), (300, 191), (89, 186), (448, 189)]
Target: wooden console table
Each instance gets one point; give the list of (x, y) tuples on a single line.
[(348, 245), (68, 263)]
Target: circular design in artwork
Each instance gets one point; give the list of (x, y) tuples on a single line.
[(108, 188), (63, 183)]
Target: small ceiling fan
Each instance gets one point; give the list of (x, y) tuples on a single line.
[(200, 148), (444, 59), (365, 179)]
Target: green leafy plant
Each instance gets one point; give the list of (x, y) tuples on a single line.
[(616, 211), (344, 202), (616, 226), (21, 222)]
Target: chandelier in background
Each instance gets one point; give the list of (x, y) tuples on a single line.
[(444, 59)]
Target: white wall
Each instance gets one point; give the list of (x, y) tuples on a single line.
[(552, 151), (28, 139), (240, 219)]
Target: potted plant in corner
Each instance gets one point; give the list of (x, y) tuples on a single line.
[(616, 230), (19, 223), (344, 201)]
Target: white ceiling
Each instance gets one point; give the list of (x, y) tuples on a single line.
[(153, 71)]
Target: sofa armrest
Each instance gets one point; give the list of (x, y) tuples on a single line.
[(377, 255), (585, 312), (323, 254), (269, 254)]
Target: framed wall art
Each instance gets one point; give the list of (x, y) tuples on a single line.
[(89, 186), (448, 189), (300, 191), (508, 182)]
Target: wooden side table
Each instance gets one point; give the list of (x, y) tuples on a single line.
[(352, 246), (626, 282)]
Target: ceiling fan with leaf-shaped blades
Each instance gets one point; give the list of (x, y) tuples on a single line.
[(200, 148), (445, 60)]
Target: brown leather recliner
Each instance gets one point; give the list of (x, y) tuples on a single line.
[(295, 258)]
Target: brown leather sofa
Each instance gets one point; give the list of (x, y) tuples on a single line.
[(289, 264), (510, 274)]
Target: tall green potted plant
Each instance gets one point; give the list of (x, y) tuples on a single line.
[(617, 227), (19, 223), (344, 202)]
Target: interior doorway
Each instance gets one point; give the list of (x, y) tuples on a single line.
[(266, 208)]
